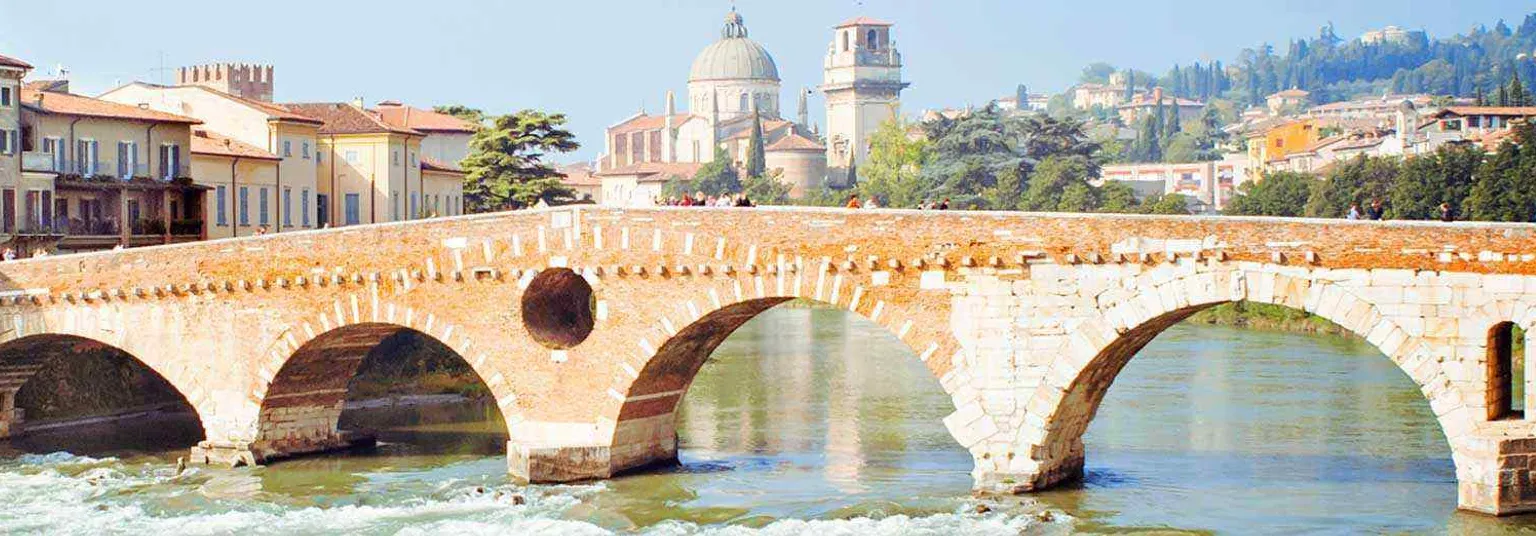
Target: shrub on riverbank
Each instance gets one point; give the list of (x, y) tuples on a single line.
[(1268, 317)]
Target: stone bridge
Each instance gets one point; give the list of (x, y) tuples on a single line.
[(588, 324)]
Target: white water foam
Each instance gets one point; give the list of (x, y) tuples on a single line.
[(67, 494)]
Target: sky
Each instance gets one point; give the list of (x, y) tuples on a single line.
[(601, 61)]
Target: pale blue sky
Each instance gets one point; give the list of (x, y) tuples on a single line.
[(599, 61)]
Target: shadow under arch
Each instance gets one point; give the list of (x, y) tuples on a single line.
[(25, 358), (1061, 455), (645, 423), (304, 401)]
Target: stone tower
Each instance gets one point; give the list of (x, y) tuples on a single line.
[(241, 80), (862, 83)]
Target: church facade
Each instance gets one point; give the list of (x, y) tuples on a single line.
[(730, 81)]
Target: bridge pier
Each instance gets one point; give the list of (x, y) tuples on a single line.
[(11, 417), (1497, 476)]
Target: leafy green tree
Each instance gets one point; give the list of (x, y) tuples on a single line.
[(755, 164), (893, 172), (1053, 178), (1506, 186), (1358, 181), (718, 177), (473, 115), (765, 190), (1167, 204), (1429, 180), (1275, 194), (506, 167), (1096, 73), (1116, 196)]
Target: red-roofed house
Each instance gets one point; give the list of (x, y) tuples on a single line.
[(12, 178), (1146, 104), (244, 197), (99, 173)]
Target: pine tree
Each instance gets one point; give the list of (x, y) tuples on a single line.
[(1517, 94), (756, 165)]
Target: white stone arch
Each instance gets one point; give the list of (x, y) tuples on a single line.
[(1104, 343)]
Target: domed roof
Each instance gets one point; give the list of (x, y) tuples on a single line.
[(734, 56)]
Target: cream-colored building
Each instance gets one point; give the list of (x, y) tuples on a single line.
[(12, 153), (443, 149), (1208, 185), (861, 78), (372, 172), (104, 174), (1147, 104), (244, 181), (270, 129)]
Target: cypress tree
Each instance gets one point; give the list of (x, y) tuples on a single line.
[(1517, 95), (756, 164)]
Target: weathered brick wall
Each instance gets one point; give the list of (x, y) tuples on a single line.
[(1024, 318)]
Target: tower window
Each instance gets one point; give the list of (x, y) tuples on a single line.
[(845, 41), (744, 105), (872, 39)]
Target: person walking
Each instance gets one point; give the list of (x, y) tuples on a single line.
[(873, 202), (853, 201), (1445, 213), (1376, 212), (944, 205), (1354, 211)]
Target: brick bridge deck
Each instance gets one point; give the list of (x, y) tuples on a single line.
[(588, 324)]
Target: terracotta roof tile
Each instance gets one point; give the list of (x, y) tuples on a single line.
[(68, 104), (579, 174), (8, 61), (655, 171), (1489, 110), (344, 118), (862, 21), (648, 122), (795, 142), (429, 164), (414, 118), (58, 86), (769, 126), (208, 142)]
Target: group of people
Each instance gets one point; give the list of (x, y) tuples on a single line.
[(9, 254), (1377, 212), (698, 199), (874, 202)]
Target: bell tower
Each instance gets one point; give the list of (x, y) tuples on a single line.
[(862, 83)]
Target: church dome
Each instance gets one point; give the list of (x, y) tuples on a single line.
[(734, 56)]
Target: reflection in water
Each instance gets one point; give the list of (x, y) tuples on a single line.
[(817, 414)]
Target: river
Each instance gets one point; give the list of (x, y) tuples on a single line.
[(815, 421)]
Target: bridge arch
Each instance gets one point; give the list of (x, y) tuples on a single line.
[(644, 400), (1103, 346), (22, 358), (301, 404)]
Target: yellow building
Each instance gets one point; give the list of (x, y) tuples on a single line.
[(286, 199), (12, 179), (98, 174), (371, 171), (444, 146), (1274, 144), (244, 183)]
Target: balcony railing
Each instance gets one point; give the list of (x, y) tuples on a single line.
[(39, 161)]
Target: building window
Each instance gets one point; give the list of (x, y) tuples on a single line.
[(353, 204), (413, 159), (871, 40), (304, 147), (394, 158), (1506, 397), (5, 97), (287, 148), (261, 205), (304, 207), (85, 157), (352, 156), (7, 142), (242, 208), (845, 41), (219, 217), (170, 161), (8, 211), (127, 159), (287, 207), (394, 206), (323, 209), (743, 102), (414, 213)]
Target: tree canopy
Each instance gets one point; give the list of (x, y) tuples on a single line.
[(506, 166)]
